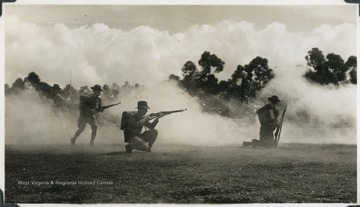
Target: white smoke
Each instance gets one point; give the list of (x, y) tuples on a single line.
[(100, 54), (31, 119), (332, 109)]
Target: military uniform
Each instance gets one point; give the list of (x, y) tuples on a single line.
[(133, 133), (266, 130), (89, 105), (269, 119), (59, 100)]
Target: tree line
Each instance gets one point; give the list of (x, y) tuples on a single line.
[(222, 97), (248, 80)]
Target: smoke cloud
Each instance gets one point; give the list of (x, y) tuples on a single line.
[(98, 54)]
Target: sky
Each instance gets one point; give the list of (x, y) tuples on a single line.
[(176, 19), (98, 44)]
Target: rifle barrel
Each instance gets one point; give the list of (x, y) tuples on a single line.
[(170, 112), (153, 115), (110, 105)]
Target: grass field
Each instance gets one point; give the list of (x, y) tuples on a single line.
[(292, 173)]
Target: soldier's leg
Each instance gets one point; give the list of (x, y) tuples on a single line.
[(81, 127), (150, 137), (93, 124), (266, 136), (268, 140), (139, 144)]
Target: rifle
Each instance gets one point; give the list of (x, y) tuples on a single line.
[(154, 115), (106, 107), (278, 129)]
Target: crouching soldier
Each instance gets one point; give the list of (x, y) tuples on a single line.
[(269, 120), (133, 122)]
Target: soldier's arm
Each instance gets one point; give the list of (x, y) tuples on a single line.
[(137, 123), (153, 124), (99, 104)]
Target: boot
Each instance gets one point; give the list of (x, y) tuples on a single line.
[(128, 148), (72, 141)]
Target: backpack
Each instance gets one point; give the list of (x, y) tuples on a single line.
[(125, 119), (83, 101), (124, 124), (266, 114)]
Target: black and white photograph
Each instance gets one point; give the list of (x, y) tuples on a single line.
[(118, 102)]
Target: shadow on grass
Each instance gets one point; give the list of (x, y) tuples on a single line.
[(113, 153)]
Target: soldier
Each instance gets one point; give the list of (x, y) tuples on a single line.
[(89, 105), (58, 99), (107, 95), (135, 122), (269, 120)]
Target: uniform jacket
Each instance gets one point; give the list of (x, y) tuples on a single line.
[(87, 103), (135, 125)]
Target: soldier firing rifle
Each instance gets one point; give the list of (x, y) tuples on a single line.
[(89, 106), (132, 123)]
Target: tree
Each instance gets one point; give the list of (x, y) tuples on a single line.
[(205, 79), (336, 67), (18, 86), (246, 81), (216, 96), (329, 70), (316, 59), (173, 77), (44, 89), (188, 71), (33, 78), (351, 64)]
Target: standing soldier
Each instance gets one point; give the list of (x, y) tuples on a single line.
[(269, 120), (89, 106)]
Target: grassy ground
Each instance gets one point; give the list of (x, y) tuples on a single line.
[(292, 173)]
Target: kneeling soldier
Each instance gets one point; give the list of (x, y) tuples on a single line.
[(269, 120), (133, 122)]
